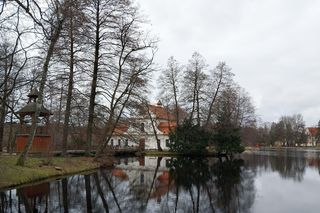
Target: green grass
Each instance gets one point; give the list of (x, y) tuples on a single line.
[(37, 169), (174, 154), (159, 153)]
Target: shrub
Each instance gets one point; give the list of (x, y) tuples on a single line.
[(189, 138)]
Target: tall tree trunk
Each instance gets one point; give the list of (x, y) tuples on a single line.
[(3, 105), (194, 97), (2, 121), (213, 100), (10, 138), (176, 102), (94, 81), (154, 128), (55, 36), (69, 95), (57, 128), (198, 107), (193, 105)]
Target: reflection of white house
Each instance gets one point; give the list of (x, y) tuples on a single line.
[(312, 136), (141, 133), (143, 177)]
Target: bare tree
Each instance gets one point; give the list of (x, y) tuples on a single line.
[(219, 78), (170, 80), (74, 27), (153, 125), (51, 24), (236, 104), (194, 84), (129, 68), (102, 15), (13, 58), (290, 130)]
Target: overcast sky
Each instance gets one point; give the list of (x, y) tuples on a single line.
[(272, 46)]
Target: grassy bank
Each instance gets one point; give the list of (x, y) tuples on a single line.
[(175, 154), (37, 169)]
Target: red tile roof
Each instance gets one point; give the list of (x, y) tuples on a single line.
[(165, 127), (120, 129), (161, 112), (313, 130)]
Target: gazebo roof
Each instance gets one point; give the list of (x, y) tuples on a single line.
[(30, 109), (33, 93)]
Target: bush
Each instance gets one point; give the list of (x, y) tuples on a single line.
[(227, 140), (189, 138)]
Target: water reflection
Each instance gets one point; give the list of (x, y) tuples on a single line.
[(289, 165), (162, 185)]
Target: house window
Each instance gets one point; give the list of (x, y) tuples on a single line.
[(111, 142), (167, 142), (126, 142), (142, 127), (119, 142)]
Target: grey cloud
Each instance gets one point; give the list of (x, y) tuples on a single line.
[(272, 46)]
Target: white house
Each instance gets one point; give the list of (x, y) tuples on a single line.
[(142, 133), (312, 133)]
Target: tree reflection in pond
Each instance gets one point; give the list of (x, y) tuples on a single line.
[(234, 186), (162, 185), (212, 186), (189, 174), (179, 185), (290, 165)]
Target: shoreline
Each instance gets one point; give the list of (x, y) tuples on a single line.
[(36, 170)]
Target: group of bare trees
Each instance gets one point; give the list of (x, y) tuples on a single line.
[(200, 94), (289, 131), (90, 61)]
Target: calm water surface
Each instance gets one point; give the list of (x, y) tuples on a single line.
[(286, 181)]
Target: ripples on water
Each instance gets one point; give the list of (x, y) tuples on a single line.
[(286, 181)]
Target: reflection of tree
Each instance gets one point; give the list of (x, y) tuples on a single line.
[(289, 165), (6, 202), (99, 189), (154, 178), (211, 185), (190, 174), (233, 192), (191, 184), (65, 194), (35, 198), (88, 192), (24, 199), (111, 189), (186, 171)]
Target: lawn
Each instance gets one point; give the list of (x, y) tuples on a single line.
[(37, 169)]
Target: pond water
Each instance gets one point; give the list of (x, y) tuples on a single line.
[(286, 181)]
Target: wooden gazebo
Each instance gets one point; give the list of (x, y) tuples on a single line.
[(42, 138)]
